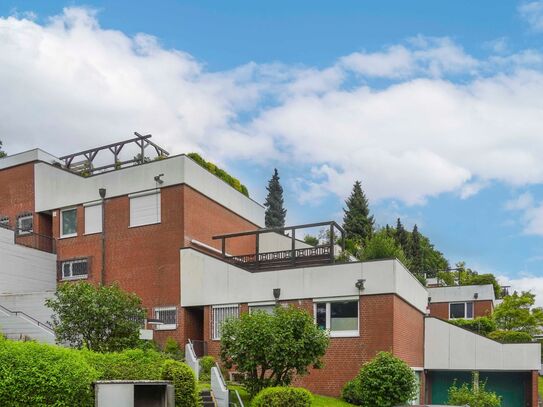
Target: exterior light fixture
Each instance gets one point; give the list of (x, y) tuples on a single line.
[(158, 179), (276, 293), (360, 284), (102, 192), (429, 300), (476, 295)]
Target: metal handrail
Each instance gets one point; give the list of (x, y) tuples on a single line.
[(30, 319), (220, 375), (239, 403)]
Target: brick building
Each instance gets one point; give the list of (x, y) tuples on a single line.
[(192, 248)]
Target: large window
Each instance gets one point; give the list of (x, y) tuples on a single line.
[(24, 224), (68, 222), (461, 310), (220, 314), (145, 208), (340, 317), (93, 218), (74, 269), (267, 307), (168, 317)]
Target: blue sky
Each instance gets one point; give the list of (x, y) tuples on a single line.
[(435, 106)]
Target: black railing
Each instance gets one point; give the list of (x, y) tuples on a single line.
[(285, 258), (35, 241), (30, 319)]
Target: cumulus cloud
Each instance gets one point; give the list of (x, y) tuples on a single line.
[(531, 283), (442, 121), (532, 12), (531, 212)]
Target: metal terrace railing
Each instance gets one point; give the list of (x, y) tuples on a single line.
[(293, 257)]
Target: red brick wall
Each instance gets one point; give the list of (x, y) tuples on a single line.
[(480, 309), (17, 191), (379, 315), (483, 308), (533, 398), (439, 310)]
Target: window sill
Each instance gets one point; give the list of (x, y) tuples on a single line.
[(75, 278), (165, 327), (68, 236), (145, 224), (92, 233), (345, 334)]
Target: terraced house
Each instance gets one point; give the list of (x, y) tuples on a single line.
[(193, 248)]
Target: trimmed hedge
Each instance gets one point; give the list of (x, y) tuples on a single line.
[(206, 363), (480, 325), (283, 397), (184, 381), (510, 336), (34, 374)]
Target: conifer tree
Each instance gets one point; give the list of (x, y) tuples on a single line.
[(2, 154), (415, 252), (275, 213), (402, 237), (357, 222)]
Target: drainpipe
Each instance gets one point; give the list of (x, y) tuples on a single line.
[(102, 192)]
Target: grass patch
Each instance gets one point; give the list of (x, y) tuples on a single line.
[(540, 386), (323, 401)]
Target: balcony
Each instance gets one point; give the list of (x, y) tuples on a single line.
[(298, 253)]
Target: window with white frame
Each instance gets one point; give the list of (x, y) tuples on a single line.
[(4, 222), (267, 307), (339, 316), (68, 222), (168, 317), (222, 313), (144, 208), (93, 218), (24, 224), (461, 310), (74, 269)]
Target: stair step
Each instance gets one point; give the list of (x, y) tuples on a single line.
[(207, 399)]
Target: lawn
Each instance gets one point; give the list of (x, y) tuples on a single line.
[(540, 385)]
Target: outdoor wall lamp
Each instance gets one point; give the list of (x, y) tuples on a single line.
[(360, 284), (276, 293), (158, 179), (476, 295), (102, 192)]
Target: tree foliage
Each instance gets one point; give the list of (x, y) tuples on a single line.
[(474, 395), (381, 246), (510, 336), (100, 318), (2, 153), (275, 212), (271, 348), (463, 275), (222, 174), (385, 381), (479, 325), (282, 397), (517, 313), (311, 240), (357, 221)]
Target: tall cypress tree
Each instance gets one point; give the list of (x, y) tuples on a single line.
[(402, 238), (275, 213), (415, 252), (357, 222)]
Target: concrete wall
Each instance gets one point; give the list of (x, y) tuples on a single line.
[(448, 347), (272, 242), (26, 157), (57, 188), (31, 303), (24, 270), (207, 280), (461, 293)]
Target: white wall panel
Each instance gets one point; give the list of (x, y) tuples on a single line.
[(93, 219)]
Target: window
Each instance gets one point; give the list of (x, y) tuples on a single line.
[(68, 222), (461, 310), (267, 308), (168, 316), (144, 208), (4, 222), (339, 317), (74, 269), (220, 314), (24, 224), (93, 218)]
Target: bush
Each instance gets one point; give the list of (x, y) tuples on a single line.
[(510, 336), (33, 374), (172, 349), (351, 391), (183, 379), (480, 325), (283, 397), (385, 381), (472, 396), (134, 364), (206, 363)]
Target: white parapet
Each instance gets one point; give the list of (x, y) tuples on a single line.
[(448, 347), (219, 389), (192, 360)]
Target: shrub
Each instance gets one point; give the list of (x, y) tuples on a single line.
[(510, 336), (134, 364), (480, 325), (473, 396), (206, 363), (283, 397), (385, 381), (33, 374), (183, 379), (172, 349)]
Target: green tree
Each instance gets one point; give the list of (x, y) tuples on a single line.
[(2, 153), (357, 222), (385, 381), (402, 236), (311, 240), (381, 246), (275, 212), (269, 349), (517, 313), (474, 395), (415, 252), (100, 318)]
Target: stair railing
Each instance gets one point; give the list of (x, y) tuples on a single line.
[(238, 402), (218, 387), (192, 360), (32, 320)]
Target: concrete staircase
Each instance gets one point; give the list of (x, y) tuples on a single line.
[(207, 399), (20, 326)]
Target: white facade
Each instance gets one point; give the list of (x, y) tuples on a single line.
[(24, 270), (206, 280), (460, 293), (27, 157), (448, 347)]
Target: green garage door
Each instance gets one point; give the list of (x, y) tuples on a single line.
[(510, 386)]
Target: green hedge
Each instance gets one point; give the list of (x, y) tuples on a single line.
[(206, 363), (283, 397), (212, 168), (480, 325), (34, 374), (184, 381), (510, 336)]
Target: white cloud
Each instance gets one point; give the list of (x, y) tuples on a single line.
[(71, 84), (534, 284), (532, 213), (532, 12)]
